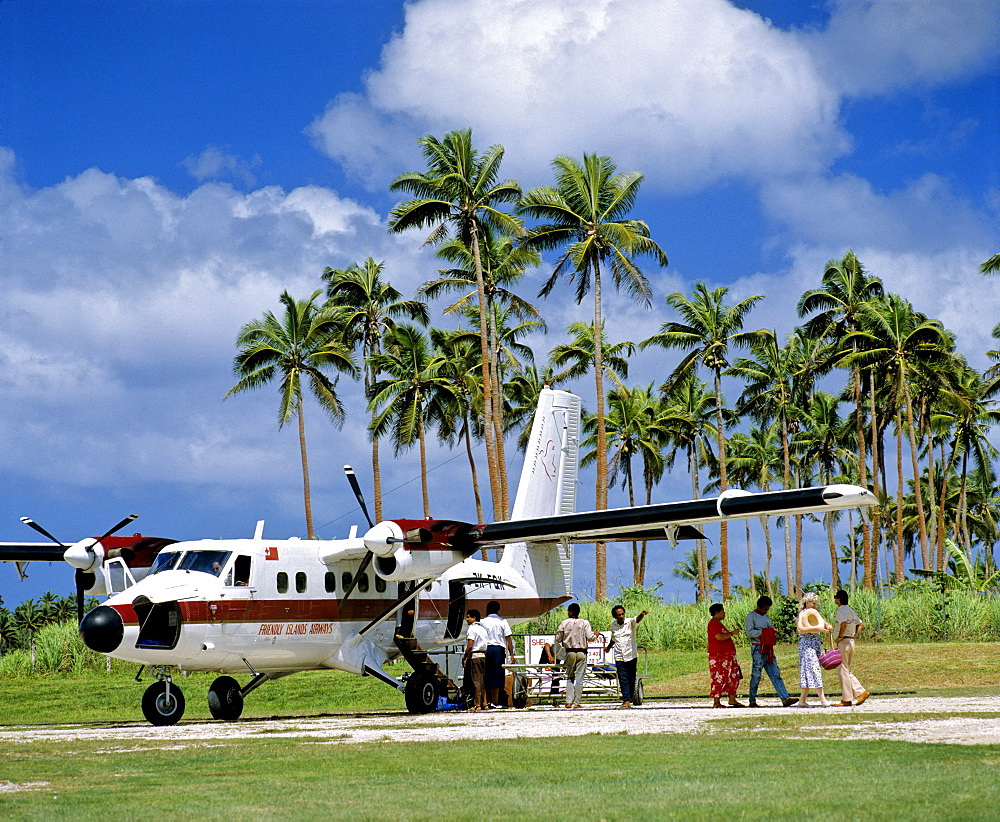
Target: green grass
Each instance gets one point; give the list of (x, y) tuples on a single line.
[(734, 775), (943, 668), (777, 766)]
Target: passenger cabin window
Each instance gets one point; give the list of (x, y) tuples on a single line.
[(282, 582), (300, 582), (330, 582), (363, 583), (345, 579), (379, 584)]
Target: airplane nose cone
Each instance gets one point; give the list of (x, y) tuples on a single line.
[(102, 629)]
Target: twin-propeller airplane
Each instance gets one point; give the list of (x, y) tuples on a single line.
[(275, 607)]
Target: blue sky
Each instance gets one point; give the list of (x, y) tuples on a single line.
[(168, 168)]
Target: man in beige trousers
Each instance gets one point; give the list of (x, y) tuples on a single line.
[(848, 627)]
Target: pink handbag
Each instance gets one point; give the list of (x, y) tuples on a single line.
[(830, 659)]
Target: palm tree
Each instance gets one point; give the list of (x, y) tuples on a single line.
[(370, 307), (503, 265), (846, 287), (458, 197), (576, 357), (635, 431), (971, 421), (688, 569), (769, 397), (708, 330), (823, 443), (754, 459), (29, 619), (297, 348), (690, 425), (585, 215), (460, 358), (991, 266), (414, 393), (901, 343)]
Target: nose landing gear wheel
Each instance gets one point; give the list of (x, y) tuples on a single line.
[(163, 707), (421, 693), (224, 699)]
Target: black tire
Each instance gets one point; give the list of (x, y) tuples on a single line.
[(519, 699), (224, 699), (637, 693), (161, 709), (421, 693)]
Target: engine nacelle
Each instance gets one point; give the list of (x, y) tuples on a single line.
[(406, 565), (408, 550)]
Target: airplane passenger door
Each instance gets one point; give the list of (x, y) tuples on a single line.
[(456, 609), (239, 594)]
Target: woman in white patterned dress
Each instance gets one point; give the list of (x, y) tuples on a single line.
[(811, 625)]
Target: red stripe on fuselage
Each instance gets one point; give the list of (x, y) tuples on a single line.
[(231, 611)]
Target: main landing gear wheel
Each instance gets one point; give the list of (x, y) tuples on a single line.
[(224, 699), (421, 693), (163, 706), (637, 693)]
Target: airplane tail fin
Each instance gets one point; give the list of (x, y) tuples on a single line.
[(547, 488)]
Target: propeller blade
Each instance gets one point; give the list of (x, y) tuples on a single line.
[(356, 487), (80, 588), (361, 569), (32, 524), (119, 526)]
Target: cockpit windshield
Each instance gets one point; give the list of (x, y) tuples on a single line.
[(211, 562), (165, 561)]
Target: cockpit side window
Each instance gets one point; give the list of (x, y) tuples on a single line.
[(241, 570), (165, 561), (210, 562)]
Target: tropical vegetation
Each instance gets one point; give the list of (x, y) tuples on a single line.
[(866, 390)]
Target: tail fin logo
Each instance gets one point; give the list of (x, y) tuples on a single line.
[(547, 458)]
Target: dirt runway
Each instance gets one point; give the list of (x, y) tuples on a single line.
[(926, 719)]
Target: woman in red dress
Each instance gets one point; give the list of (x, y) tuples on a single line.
[(723, 667)]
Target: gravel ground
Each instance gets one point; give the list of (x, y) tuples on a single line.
[(932, 721)]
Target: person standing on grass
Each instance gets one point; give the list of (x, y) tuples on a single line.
[(626, 651), (848, 627), (811, 624), (499, 643), (474, 659), (723, 667), (574, 634), (760, 632)]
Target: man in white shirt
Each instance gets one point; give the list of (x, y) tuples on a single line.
[(848, 626), (499, 643), (474, 659), (626, 651)]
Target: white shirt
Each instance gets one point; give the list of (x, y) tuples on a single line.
[(623, 640), (845, 613), (477, 633), (497, 630)]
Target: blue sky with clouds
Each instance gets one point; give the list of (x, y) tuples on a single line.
[(168, 168)]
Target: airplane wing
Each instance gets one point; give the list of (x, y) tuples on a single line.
[(671, 520), (30, 552)]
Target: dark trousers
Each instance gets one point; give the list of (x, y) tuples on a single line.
[(626, 677)]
